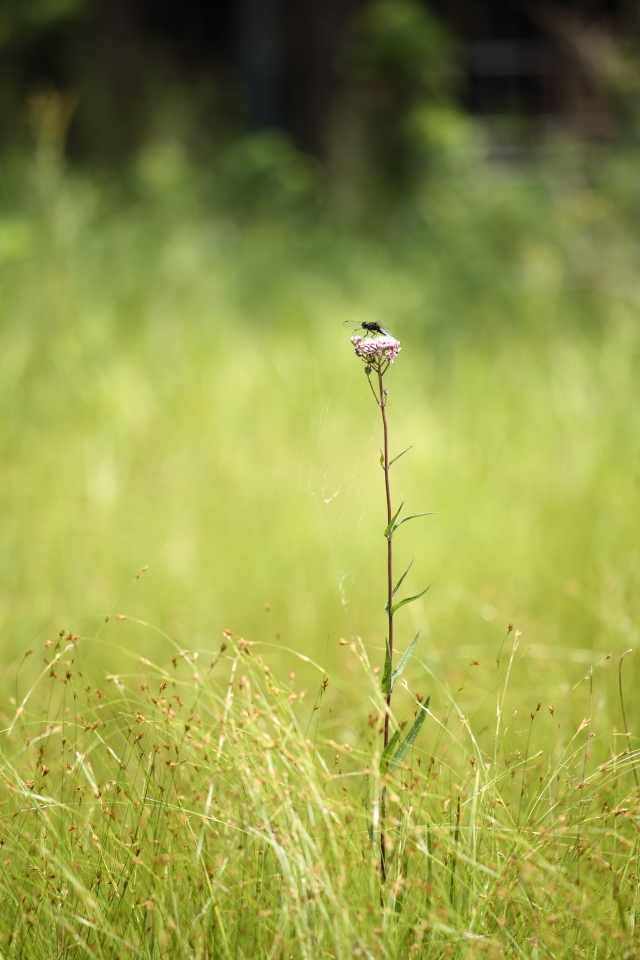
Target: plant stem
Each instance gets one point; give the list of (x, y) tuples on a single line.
[(387, 487)]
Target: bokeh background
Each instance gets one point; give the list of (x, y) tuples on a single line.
[(194, 198)]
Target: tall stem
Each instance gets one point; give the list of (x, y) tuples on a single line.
[(387, 490), (387, 712)]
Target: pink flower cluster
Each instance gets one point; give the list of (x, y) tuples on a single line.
[(381, 348)]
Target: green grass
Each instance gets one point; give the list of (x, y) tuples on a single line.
[(177, 390), (202, 810)]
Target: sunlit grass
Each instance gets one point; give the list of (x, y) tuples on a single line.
[(168, 399), (207, 809), (177, 390)]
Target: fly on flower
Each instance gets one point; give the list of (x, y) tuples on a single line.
[(372, 328)]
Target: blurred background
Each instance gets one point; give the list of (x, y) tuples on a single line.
[(194, 197)]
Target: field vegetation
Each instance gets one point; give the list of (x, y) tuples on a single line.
[(192, 590)]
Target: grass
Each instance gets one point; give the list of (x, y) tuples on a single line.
[(202, 810), (177, 391)]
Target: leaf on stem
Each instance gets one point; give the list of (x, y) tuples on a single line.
[(399, 583), (397, 673), (401, 455), (381, 459), (388, 750), (409, 740), (386, 676), (396, 606), (392, 525), (367, 805)]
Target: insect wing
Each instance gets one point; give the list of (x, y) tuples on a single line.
[(374, 327), (367, 328)]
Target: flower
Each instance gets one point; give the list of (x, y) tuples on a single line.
[(372, 348)]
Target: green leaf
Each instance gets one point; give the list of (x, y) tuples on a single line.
[(386, 753), (409, 740), (381, 459), (367, 804), (391, 526), (399, 583), (397, 673), (400, 455), (397, 606), (412, 516), (386, 676)]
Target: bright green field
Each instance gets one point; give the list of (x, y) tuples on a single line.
[(177, 390)]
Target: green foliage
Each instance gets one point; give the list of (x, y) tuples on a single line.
[(416, 596), (19, 18), (163, 400), (398, 456), (402, 578), (388, 750), (401, 43), (390, 527), (180, 809), (176, 389), (264, 173), (395, 523), (399, 583), (404, 660), (406, 745), (400, 65), (386, 686)]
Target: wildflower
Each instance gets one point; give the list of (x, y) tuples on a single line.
[(380, 348)]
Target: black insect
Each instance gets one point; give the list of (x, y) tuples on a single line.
[(371, 326)]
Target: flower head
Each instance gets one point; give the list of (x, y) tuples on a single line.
[(376, 348)]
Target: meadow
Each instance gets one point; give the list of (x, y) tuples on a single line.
[(193, 584)]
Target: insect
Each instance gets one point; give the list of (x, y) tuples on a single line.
[(371, 326)]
